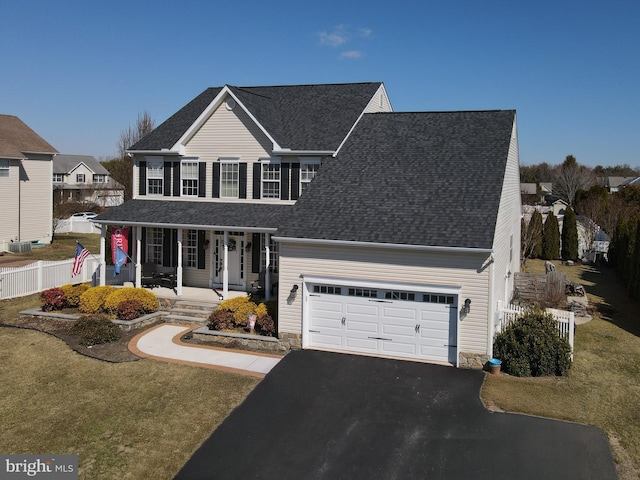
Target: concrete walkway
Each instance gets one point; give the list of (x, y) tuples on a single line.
[(163, 343)]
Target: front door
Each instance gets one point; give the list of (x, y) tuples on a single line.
[(236, 260)]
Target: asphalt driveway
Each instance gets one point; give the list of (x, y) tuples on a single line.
[(320, 415)]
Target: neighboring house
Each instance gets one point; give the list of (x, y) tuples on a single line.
[(82, 179), (401, 246), (613, 184), (536, 192), (25, 172)]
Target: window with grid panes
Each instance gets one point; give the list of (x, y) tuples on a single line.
[(155, 177), (271, 180), (189, 179), (229, 180), (308, 171), (273, 254), (189, 248), (154, 245)]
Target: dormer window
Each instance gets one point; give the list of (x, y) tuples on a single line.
[(271, 178)]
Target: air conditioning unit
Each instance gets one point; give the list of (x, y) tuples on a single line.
[(20, 247)]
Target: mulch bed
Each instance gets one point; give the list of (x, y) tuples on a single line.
[(115, 352)]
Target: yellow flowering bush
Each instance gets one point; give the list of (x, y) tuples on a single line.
[(148, 300), (242, 307), (72, 293), (92, 301)]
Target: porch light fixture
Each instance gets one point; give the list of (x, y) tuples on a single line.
[(466, 308), (294, 289), (247, 247)]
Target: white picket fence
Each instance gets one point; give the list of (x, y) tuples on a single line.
[(507, 314), (41, 275)]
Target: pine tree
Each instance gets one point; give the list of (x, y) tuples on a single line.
[(570, 235), (551, 238)]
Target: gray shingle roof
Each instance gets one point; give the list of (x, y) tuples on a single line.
[(410, 178), (16, 137), (299, 117), (64, 163), (175, 213)]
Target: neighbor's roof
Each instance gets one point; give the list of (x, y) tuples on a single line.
[(16, 137), (298, 117), (430, 179), (64, 163), (176, 213)]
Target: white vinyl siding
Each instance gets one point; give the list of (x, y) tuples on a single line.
[(379, 102), (389, 265), (80, 178), (36, 209), (9, 195)]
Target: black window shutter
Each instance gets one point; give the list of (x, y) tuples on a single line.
[(168, 246), (143, 245), (167, 179), (295, 181), (242, 180), (284, 181), (201, 249), (255, 253), (257, 180), (176, 179), (142, 186), (216, 180), (202, 179)]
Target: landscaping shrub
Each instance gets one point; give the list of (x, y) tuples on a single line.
[(531, 346), (272, 308), (52, 299), (265, 325), (241, 307), (95, 330), (92, 301), (221, 319), (72, 293), (129, 309), (147, 299)]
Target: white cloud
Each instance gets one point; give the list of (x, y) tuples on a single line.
[(351, 54), (365, 32), (335, 38)]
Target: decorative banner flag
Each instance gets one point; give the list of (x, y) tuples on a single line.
[(119, 238), (81, 254), (121, 259)]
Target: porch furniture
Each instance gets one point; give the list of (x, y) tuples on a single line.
[(258, 286), (158, 276)]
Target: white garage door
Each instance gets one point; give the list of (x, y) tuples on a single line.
[(398, 323)]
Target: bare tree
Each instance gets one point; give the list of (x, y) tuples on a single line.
[(571, 178), (121, 168)]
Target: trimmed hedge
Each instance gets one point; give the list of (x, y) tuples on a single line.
[(147, 299), (531, 347), (72, 293), (92, 301)]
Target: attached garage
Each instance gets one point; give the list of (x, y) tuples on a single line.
[(418, 322)]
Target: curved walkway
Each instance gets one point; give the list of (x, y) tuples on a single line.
[(163, 343)]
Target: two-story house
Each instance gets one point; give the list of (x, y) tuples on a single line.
[(82, 179), (25, 172), (386, 233)]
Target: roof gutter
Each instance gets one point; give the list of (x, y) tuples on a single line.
[(153, 152), (347, 243), (309, 153), (233, 228)]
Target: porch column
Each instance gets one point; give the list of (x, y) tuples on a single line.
[(267, 265), (225, 266), (179, 267), (102, 268), (138, 257)]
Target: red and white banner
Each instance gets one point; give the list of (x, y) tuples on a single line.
[(119, 238)]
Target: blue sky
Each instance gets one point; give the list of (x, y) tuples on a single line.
[(79, 72)]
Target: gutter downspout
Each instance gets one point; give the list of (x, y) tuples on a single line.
[(492, 308)]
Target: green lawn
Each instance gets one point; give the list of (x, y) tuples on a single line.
[(602, 387), (128, 421)]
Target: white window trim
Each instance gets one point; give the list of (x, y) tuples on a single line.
[(84, 178), (182, 178), (307, 161), (59, 176), (99, 178), (270, 161), (159, 160), (230, 161), (5, 166)]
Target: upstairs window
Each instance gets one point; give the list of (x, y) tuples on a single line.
[(99, 178), (80, 177), (271, 179), (229, 179), (189, 179), (155, 177), (308, 170), (4, 168), (57, 177)]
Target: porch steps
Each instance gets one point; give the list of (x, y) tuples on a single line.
[(190, 312)]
